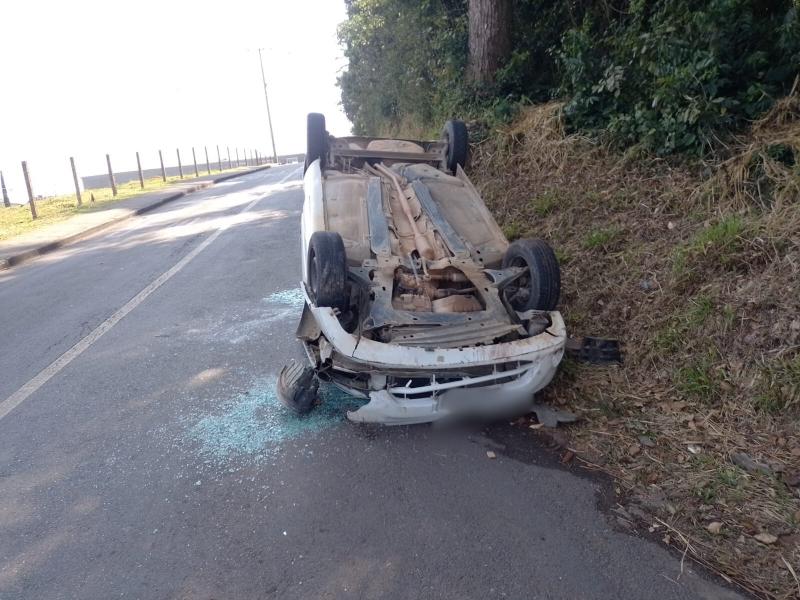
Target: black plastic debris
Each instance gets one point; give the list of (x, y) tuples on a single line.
[(594, 350)]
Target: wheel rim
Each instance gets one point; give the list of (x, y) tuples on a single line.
[(518, 292)]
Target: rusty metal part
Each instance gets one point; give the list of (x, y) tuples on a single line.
[(458, 304), (452, 336), (413, 283), (445, 292), (420, 241), (449, 275), (356, 150), (413, 302)]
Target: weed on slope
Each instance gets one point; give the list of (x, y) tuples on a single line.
[(696, 269)]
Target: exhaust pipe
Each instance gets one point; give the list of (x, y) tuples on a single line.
[(420, 241)]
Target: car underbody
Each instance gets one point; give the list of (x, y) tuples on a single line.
[(425, 316)]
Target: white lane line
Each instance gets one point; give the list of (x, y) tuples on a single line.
[(46, 374), (293, 173)]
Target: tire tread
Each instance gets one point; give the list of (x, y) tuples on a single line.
[(545, 271), (328, 247)]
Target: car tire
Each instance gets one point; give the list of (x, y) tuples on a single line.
[(316, 140), (297, 388), (457, 139), (540, 288), (327, 270)]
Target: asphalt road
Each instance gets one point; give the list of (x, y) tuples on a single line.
[(153, 460)]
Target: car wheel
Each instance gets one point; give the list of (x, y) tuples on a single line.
[(297, 388), (327, 270), (540, 286), (316, 139), (457, 139)]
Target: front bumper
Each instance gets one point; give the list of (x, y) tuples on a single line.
[(510, 373), (515, 397)]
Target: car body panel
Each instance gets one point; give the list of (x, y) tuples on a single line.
[(381, 356), (480, 357)]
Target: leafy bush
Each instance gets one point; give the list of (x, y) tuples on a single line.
[(669, 74), (406, 57), (666, 75)]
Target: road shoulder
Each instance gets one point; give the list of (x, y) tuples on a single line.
[(52, 237)]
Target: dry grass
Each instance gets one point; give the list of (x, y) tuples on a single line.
[(697, 270), (17, 219), (408, 128)]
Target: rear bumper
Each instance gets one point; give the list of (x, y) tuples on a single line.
[(485, 380)]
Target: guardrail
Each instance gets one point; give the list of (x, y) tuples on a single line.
[(247, 157)]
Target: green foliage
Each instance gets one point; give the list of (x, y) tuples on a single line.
[(406, 57), (665, 76), (668, 74)]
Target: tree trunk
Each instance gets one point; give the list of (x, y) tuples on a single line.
[(489, 38)]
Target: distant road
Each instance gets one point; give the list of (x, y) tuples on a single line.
[(93, 182), (146, 456)]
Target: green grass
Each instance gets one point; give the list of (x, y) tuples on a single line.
[(545, 204), (684, 324), (575, 318), (697, 380), (563, 256), (699, 311), (513, 231), (724, 485), (721, 241), (707, 493), (728, 477), (601, 238), (724, 233), (17, 220)]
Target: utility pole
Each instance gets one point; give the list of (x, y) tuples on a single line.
[(27, 177), (111, 177), (139, 167), (75, 180), (6, 201), (194, 158), (266, 98), (163, 170)]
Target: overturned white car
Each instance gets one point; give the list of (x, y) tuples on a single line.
[(414, 298)]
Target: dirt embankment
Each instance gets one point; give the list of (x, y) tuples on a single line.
[(697, 270)]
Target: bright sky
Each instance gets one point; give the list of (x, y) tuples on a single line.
[(85, 77)]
